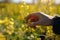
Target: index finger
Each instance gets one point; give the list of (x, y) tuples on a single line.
[(27, 18)]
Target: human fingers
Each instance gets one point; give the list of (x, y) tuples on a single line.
[(32, 25), (32, 17), (26, 18)]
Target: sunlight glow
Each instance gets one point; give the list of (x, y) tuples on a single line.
[(31, 1), (57, 1), (28, 1)]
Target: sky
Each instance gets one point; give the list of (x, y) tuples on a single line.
[(57, 1), (30, 1), (27, 1)]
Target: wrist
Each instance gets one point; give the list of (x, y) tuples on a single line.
[(56, 25)]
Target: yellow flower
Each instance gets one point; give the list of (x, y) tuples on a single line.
[(38, 27), (11, 19), (1, 21), (48, 31), (23, 25), (32, 36), (22, 6), (9, 29), (2, 37), (38, 38), (6, 20), (20, 29), (11, 22), (9, 32), (27, 7), (26, 30), (32, 29)]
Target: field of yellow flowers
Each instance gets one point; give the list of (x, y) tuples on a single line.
[(12, 26)]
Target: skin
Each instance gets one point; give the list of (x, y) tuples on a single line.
[(44, 19)]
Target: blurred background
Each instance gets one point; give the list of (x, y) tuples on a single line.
[(12, 13)]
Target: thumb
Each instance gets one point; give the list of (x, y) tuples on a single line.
[(32, 24)]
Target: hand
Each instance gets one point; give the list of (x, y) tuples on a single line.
[(43, 19)]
